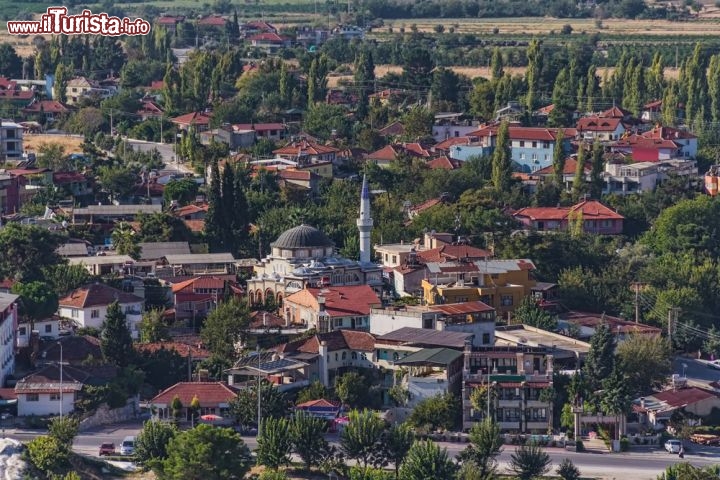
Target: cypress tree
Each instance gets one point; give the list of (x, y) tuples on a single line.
[(311, 83), (228, 202), (213, 219), (532, 74), (285, 91), (591, 89), (116, 341), (579, 180), (496, 65), (559, 158), (714, 88), (600, 359), (241, 217), (596, 180), (501, 160)]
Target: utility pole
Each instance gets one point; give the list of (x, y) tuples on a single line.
[(259, 411), (673, 314), (637, 286)]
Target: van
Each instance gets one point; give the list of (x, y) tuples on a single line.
[(128, 446)]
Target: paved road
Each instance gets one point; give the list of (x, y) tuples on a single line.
[(166, 151), (644, 465), (696, 371)]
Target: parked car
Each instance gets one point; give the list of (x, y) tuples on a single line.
[(714, 364), (107, 449), (673, 446), (128, 446)]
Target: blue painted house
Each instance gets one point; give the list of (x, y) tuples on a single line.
[(531, 148)]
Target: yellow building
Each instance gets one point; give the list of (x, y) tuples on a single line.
[(501, 284)]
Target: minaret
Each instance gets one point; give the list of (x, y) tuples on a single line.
[(365, 223)]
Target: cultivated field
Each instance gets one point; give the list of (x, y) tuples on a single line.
[(472, 72), (72, 144)]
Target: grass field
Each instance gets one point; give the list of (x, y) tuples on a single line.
[(33, 142)]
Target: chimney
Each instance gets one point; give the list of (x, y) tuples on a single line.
[(264, 319), (642, 402)]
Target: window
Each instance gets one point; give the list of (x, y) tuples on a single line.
[(522, 143), (74, 313), (32, 397), (54, 396), (546, 144), (95, 313), (354, 355), (486, 339), (128, 308), (506, 300), (522, 156), (48, 328), (11, 134), (336, 357), (363, 356), (344, 355), (23, 331), (534, 144), (394, 259), (396, 356)]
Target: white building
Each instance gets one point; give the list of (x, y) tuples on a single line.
[(11, 139), (475, 318), (8, 324), (87, 307)]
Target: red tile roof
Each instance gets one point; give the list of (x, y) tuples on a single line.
[(157, 85), (194, 118), (653, 106), (210, 394), (291, 174), (321, 403), (336, 340), (169, 20), (190, 209), (394, 129), (463, 308), (17, 94), (684, 396), (523, 133), (196, 352), (195, 225), (443, 163), (590, 210), (260, 319), (271, 37), (97, 294), (149, 107), (421, 207), (213, 21), (339, 301), (76, 349), (451, 142), (668, 133), (46, 106), (60, 178), (447, 253), (7, 84), (546, 109), (304, 147), (615, 112), (569, 168), (599, 124), (258, 25), (645, 142), (202, 283)]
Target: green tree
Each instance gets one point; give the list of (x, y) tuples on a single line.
[(115, 340), (351, 389), (52, 155), (568, 471), (176, 408), (307, 434), (616, 398), (151, 444), (496, 65), (530, 313), (440, 411), (646, 361), (426, 460), (688, 226), (596, 171), (214, 218), (225, 327), (153, 327), (244, 407), (273, 475), (600, 359), (125, 241), (361, 439), (11, 65), (62, 75), (682, 471), (418, 124), (559, 158), (314, 391), (579, 180), (322, 120), (184, 191), (207, 452), (26, 251), (485, 445), (64, 430), (396, 442), (530, 461), (712, 343), (274, 443), (194, 408), (48, 454), (64, 278), (38, 300), (533, 73), (501, 160), (118, 182)]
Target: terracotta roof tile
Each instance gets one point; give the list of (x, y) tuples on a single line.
[(599, 124), (448, 253), (97, 294), (193, 118), (210, 394), (590, 209), (46, 106), (443, 163), (305, 147), (183, 349), (260, 319), (336, 340)]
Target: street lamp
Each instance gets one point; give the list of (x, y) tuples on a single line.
[(684, 367)]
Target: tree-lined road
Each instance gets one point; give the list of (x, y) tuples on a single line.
[(644, 465)]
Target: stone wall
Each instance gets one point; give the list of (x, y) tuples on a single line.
[(105, 416)]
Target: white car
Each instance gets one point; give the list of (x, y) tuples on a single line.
[(673, 446), (714, 364)]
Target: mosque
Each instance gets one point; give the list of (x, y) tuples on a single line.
[(305, 257)]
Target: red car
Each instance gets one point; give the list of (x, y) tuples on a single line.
[(107, 449)]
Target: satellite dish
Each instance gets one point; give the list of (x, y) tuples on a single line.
[(64, 224)]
